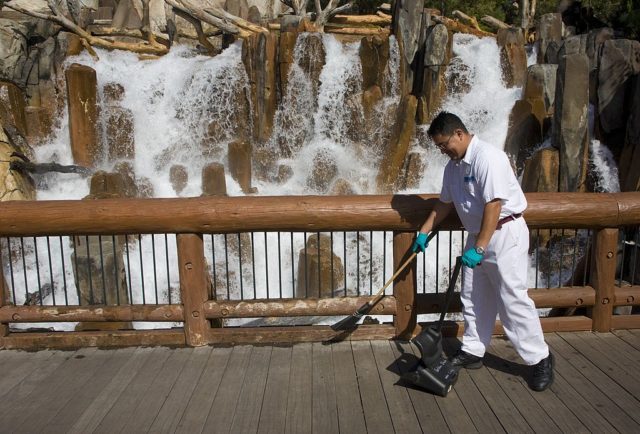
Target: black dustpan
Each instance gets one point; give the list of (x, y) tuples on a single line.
[(429, 341)]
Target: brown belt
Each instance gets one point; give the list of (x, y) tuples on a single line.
[(507, 219)]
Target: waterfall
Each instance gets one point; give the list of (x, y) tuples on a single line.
[(185, 110)]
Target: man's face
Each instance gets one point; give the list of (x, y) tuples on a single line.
[(451, 144)]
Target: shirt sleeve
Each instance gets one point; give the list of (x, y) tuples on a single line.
[(445, 191), (492, 175)]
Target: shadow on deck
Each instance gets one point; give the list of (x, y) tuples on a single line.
[(347, 387)]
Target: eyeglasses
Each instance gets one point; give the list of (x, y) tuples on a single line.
[(444, 144)]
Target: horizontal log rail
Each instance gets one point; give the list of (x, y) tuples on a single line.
[(155, 313), (291, 213), (296, 307)]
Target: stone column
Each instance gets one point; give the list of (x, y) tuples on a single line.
[(320, 271), (512, 56), (82, 97), (570, 122)]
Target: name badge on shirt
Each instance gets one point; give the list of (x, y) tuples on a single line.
[(469, 178)]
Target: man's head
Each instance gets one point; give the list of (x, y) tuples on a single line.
[(449, 135)]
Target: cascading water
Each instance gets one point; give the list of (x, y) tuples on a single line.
[(185, 110)]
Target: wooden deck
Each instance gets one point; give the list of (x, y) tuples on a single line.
[(347, 387)]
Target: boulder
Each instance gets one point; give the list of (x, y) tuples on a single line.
[(620, 59), (324, 170), (259, 58), (437, 53), (413, 171), (320, 271), (374, 56), (82, 95), (541, 171), (214, 182), (179, 177), (541, 84), (394, 156), (549, 31), (629, 165), (239, 157), (570, 123), (525, 130), (12, 107), (408, 20), (513, 57), (14, 185), (13, 51)]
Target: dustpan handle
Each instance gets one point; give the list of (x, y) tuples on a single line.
[(449, 294)]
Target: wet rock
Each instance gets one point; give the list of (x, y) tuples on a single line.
[(541, 171), (436, 60), (12, 107), (342, 187), (179, 177), (549, 31), (413, 171), (320, 271), (374, 56), (525, 131), (394, 156), (259, 58), (513, 57), (629, 165), (541, 84), (13, 50), (285, 173), (570, 123), (324, 170), (125, 170), (239, 157), (83, 114), (14, 185), (213, 180)]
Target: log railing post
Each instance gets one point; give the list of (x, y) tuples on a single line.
[(193, 288), (4, 328), (602, 277), (404, 287)]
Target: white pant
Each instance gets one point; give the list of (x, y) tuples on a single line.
[(499, 286)]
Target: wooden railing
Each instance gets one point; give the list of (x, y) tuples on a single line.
[(402, 214)]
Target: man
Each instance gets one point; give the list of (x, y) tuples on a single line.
[(480, 184)]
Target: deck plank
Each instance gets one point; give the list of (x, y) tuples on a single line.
[(374, 405), (424, 404), (201, 400), (16, 366), (169, 415), (247, 413), (147, 409), (47, 399), (599, 371), (107, 397), (325, 411), (630, 338), (401, 409), (136, 390), (580, 379), (553, 416), (274, 403), (68, 415), (350, 413), (299, 412), (224, 405)]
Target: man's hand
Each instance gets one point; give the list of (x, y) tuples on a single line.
[(420, 243), (471, 258)]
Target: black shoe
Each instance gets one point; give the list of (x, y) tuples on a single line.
[(542, 376), (462, 359)]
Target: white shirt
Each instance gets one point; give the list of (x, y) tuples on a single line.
[(484, 174)]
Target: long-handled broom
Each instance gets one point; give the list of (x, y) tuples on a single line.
[(350, 321)]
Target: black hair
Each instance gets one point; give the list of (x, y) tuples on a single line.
[(445, 124)]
